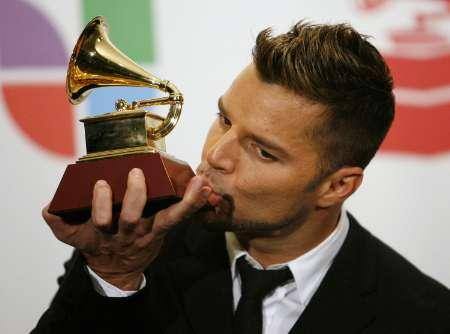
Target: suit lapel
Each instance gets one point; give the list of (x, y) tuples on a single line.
[(344, 302), (207, 291)]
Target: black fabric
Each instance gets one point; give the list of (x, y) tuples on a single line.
[(368, 289), (255, 285)]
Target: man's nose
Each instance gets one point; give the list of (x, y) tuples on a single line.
[(223, 154)]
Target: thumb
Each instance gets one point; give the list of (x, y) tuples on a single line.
[(195, 197)]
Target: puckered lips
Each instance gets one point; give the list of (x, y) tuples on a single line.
[(220, 205)]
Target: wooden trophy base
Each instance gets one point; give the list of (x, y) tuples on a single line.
[(166, 180)]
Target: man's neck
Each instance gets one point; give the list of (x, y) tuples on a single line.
[(280, 249)]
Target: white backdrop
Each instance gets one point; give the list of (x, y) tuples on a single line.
[(201, 46)]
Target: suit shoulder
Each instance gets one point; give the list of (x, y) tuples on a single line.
[(401, 273), (401, 284)]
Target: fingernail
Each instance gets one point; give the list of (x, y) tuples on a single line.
[(205, 192), (136, 172), (100, 183)]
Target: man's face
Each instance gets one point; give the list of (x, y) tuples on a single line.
[(256, 153)]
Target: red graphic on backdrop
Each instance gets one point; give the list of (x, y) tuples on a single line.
[(420, 63), (38, 110)]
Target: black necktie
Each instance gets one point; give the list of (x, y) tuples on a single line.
[(255, 285)]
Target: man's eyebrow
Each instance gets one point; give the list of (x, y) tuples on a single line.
[(268, 144), (260, 140)]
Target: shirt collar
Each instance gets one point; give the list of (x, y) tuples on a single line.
[(308, 269)]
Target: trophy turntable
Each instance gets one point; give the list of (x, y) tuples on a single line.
[(128, 137)]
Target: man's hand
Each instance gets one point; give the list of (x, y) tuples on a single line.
[(121, 258)]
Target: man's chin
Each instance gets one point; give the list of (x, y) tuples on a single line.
[(216, 220), (222, 218)]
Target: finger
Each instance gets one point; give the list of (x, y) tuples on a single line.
[(101, 215), (59, 227), (195, 197), (134, 201)]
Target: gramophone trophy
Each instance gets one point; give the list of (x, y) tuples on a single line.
[(116, 142)]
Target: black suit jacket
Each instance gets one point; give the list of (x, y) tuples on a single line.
[(368, 289)]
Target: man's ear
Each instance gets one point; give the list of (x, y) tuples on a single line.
[(337, 187)]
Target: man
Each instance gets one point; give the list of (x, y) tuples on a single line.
[(276, 253)]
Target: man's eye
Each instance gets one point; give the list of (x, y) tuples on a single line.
[(266, 155), (223, 120)]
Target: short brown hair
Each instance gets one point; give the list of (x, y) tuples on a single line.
[(335, 66)]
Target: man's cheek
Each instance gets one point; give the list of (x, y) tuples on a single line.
[(254, 187)]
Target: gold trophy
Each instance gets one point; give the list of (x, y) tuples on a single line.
[(128, 137)]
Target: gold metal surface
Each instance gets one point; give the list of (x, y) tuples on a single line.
[(118, 153), (96, 62)]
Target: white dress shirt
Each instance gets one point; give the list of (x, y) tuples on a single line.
[(285, 304), (107, 289)]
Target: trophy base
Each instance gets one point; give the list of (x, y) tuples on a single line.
[(166, 179)]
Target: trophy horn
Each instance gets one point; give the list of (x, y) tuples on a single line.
[(96, 62)]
